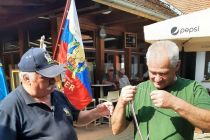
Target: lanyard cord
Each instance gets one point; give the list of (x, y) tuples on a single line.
[(135, 121)]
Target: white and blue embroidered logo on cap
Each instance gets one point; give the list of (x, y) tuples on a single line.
[(48, 58)]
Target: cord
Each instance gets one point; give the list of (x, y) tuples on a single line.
[(135, 120)]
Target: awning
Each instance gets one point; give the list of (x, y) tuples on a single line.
[(191, 31)]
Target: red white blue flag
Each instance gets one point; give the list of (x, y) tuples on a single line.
[(71, 53)]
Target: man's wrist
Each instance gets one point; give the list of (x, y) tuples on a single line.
[(97, 112), (122, 103)]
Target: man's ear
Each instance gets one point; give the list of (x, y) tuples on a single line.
[(26, 79)]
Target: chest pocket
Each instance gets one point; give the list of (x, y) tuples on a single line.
[(62, 108)]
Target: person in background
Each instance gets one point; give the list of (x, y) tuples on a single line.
[(166, 106), (35, 110), (123, 79), (110, 78)]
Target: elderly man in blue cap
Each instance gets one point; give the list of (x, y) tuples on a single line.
[(35, 110)]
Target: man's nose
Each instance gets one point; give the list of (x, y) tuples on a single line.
[(158, 78)]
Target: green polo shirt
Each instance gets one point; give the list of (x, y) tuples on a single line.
[(166, 124)]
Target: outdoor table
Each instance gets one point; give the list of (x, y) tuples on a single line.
[(98, 90)]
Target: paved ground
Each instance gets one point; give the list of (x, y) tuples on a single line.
[(204, 136), (103, 132)]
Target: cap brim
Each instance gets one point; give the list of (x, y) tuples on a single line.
[(52, 71)]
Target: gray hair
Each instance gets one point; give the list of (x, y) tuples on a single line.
[(31, 75), (171, 48)]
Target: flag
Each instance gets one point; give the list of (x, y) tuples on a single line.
[(3, 83), (71, 53)]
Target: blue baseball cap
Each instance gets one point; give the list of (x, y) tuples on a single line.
[(38, 60)]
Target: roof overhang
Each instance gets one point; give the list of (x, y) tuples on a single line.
[(189, 31), (135, 8)]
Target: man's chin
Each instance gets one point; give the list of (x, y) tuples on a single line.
[(158, 86)]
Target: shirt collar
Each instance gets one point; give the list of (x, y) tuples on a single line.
[(27, 98)]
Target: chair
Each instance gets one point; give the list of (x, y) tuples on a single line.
[(91, 105), (112, 96)]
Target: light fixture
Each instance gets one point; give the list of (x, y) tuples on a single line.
[(108, 11), (47, 18), (102, 32)]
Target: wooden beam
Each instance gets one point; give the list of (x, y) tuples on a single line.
[(25, 2), (99, 59), (132, 11), (116, 61), (125, 21), (85, 9), (54, 31), (93, 12), (10, 12), (22, 40), (32, 15), (127, 54)]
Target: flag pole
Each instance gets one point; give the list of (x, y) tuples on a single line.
[(68, 2)]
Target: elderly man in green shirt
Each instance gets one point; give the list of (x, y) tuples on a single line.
[(167, 107)]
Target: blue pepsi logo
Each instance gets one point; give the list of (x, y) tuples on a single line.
[(185, 30), (174, 31)]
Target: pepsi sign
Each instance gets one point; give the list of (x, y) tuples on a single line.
[(176, 30)]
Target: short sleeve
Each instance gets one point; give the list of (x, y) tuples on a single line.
[(75, 112), (202, 98)]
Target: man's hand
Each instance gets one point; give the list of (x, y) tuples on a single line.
[(105, 109), (119, 122), (127, 94), (162, 99), (101, 110)]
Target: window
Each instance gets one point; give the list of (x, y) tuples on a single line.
[(207, 66), (15, 79)]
